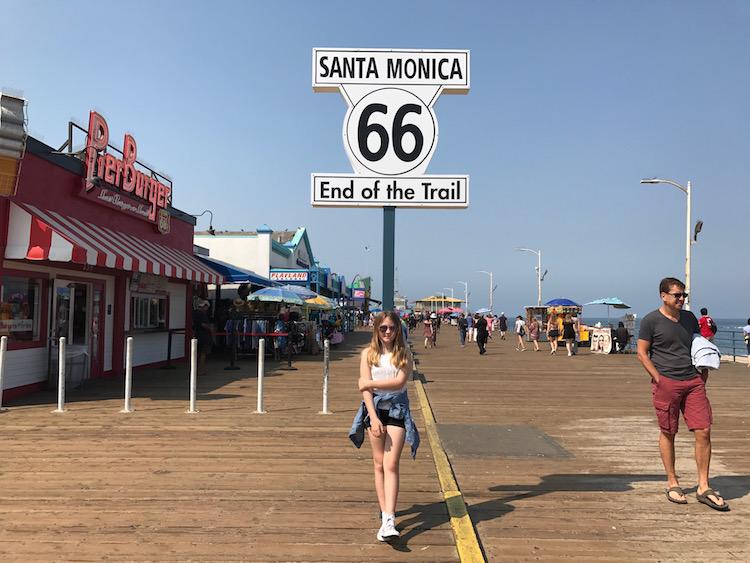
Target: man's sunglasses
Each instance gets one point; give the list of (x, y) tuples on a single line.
[(386, 328), (679, 295)]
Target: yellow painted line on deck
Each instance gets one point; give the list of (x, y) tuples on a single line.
[(466, 539)]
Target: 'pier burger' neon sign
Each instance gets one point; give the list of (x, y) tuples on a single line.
[(109, 178)]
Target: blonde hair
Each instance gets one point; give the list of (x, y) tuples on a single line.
[(400, 355)]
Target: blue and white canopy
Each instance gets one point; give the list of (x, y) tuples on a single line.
[(615, 302), (278, 295)]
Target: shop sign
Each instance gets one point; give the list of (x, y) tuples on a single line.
[(16, 325), (116, 183), (359, 294), (148, 283), (390, 130), (289, 276)]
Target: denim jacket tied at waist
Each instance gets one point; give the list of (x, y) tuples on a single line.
[(399, 409)]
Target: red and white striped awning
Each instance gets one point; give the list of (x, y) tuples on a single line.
[(39, 234)]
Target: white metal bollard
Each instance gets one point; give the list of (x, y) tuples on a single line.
[(128, 374), (61, 375), (326, 366), (261, 370), (3, 349), (193, 374)]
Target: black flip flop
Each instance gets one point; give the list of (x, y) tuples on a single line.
[(677, 490), (703, 498)]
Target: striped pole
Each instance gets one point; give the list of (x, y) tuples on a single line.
[(326, 371), (128, 375), (193, 374), (261, 370), (61, 375), (3, 349)]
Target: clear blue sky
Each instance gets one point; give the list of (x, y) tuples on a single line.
[(572, 103)]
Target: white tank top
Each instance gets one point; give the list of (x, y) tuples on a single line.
[(385, 369)]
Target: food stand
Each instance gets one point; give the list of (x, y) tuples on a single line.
[(543, 312)]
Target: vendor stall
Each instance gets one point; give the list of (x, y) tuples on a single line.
[(559, 308)]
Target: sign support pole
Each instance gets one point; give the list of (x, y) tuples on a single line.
[(389, 249)]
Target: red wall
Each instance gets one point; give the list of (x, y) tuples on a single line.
[(52, 187)]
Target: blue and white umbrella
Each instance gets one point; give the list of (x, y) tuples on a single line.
[(483, 310), (277, 295), (300, 290), (615, 302)]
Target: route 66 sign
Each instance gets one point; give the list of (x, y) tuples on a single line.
[(390, 130)]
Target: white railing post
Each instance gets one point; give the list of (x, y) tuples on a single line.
[(326, 371), (3, 349), (128, 374), (61, 375), (261, 370), (193, 374)]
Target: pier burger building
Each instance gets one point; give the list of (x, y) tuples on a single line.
[(91, 248)]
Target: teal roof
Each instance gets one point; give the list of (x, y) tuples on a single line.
[(301, 236)]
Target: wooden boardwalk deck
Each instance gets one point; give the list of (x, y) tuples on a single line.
[(605, 501), (225, 484)]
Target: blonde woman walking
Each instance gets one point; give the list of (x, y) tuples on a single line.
[(385, 367), (553, 333)]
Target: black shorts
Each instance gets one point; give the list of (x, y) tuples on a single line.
[(386, 420)]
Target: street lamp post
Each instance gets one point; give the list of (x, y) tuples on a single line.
[(452, 296), (466, 294), (688, 242), (492, 289), (539, 275)]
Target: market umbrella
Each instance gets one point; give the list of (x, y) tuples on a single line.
[(302, 291), (277, 295), (562, 302), (615, 302), (320, 302)]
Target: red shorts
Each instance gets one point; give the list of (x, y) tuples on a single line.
[(670, 396)]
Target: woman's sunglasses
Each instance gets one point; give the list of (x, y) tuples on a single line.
[(386, 328)]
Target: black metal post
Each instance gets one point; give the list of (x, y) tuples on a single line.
[(232, 350), (169, 351)]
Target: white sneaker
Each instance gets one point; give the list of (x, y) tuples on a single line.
[(388, 529)]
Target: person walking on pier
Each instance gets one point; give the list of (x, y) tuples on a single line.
[(385, 367), (520, 333), (428, 333), (534, 333), (502, 325), (471, 335), (480, 325), (569, 333), (707, 325), (664, 348), (746, 336), (462, 326), (553, 333)]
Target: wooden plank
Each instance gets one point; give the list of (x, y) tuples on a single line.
[(606, 502), (223, 484)]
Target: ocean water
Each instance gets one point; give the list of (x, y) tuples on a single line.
[(728, 338)]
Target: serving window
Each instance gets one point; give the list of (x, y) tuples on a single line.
[(21, 304), (149, 312)]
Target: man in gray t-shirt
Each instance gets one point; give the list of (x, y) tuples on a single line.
[(664, 348), (670, 343)]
